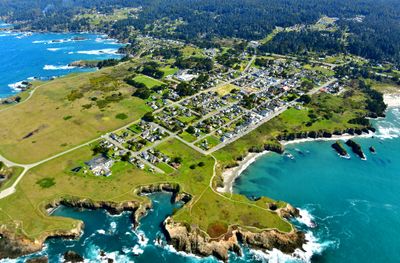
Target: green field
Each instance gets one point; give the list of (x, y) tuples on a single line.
[(187, 136), (60, 120), (148, 81), (169, 71)]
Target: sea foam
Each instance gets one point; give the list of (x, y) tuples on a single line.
[(311, 248), (306, 218), (107, 51), (53, 67), (53, 49)]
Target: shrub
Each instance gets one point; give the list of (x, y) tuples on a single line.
[(121, 116), (46, 182)]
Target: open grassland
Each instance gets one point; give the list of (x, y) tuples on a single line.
[(99, 19), (320, 69), (325, 113), (391, 88), (24, 212), (214, 214), (68, 111)]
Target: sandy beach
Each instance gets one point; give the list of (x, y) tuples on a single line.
[(392, 100), (231, 174)]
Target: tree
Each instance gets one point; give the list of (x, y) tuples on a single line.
[(143, 93), (148, 117), (99, 149), (126, 157), (305, 99), (191, 130)]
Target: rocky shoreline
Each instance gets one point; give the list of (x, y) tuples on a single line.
[(14, 245), (191, 239)]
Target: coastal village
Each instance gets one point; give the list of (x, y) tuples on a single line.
[(227, 104)]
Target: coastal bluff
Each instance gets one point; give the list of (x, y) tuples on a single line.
[(191, 239)]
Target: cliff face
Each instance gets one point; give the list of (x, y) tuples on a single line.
[(13, 245), (192, 240), (323, 134)]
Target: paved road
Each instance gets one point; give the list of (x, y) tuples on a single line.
[(275, 114)]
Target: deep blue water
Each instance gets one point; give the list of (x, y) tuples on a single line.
[(24, 55)]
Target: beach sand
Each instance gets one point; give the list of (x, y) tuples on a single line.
[(229, 175), (392, 100)]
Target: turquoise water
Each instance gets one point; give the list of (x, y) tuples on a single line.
[(355, 203), (24, 56)]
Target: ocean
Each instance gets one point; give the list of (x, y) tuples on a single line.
[(354, 203), (24, 56)]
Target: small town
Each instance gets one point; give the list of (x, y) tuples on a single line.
[(228, 103)]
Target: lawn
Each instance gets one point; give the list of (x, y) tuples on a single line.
[(165, 167), (148, 81), (211, 140), (187, 136), (323, 70), (57, 123), (169, 71), (226, 89)]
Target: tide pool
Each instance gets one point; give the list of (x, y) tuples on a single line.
[(24, 56)]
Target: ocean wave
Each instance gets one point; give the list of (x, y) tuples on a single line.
[(15, 86), (9, 34), (142, 239), (171, 249), (53, 67), (136, 250), (101, 231), (388, 132), (53, 49), (106, 51), (306, 218), (311, 248), (39, 41)]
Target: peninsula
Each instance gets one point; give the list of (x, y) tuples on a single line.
[(174, 116)]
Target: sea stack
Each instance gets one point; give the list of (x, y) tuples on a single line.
[(372, 149), (356, 148), (340, 149)]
